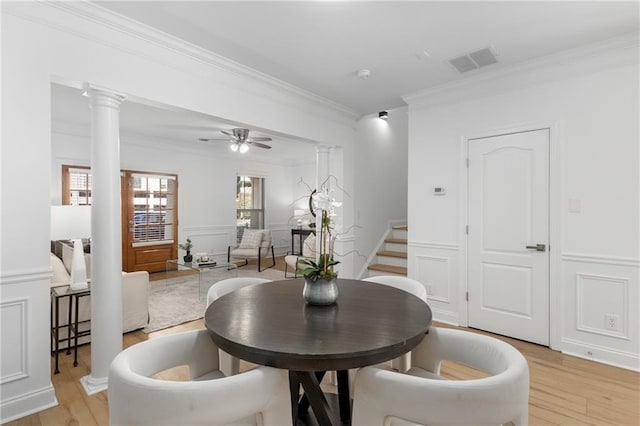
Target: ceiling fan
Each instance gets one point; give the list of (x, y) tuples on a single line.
[(240, 140)]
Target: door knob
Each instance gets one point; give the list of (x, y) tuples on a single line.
[(538, 247)]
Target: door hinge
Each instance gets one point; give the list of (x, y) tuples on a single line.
[(467, 163), (466, 229), (467, 296)]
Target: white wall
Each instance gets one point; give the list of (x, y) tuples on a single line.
[(381, 179), (590, 101), (76, 42)]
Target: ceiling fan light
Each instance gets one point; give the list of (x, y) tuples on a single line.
[(234, 147), (244, 148)]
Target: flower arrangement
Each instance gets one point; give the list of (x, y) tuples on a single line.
[(323, 203)]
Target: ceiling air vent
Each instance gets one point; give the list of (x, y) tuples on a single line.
[(474, 60)]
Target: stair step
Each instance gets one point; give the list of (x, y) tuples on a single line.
[(395, 241), (389, 253), (388, 268), (401, 228)]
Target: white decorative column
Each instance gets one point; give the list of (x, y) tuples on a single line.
[(344, 245), (106, 240), (323, 153)]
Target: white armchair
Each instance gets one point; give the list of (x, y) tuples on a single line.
[(259, 396), (422, 396), (291, 260), (255, 244)]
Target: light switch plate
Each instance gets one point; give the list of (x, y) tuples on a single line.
[(574, 205)]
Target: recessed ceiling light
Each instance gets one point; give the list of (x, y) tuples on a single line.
[(363, 74), (383, 115)]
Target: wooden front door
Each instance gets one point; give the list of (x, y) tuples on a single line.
[(149, 221)]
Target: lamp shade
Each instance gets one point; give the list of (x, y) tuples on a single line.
[(70, 222), (298, 213)]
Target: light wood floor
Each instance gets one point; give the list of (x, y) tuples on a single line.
[(564, 390)]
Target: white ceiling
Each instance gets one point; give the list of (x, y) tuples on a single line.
[(173, 126), (319, 46)]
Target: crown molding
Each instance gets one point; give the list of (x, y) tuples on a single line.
[(88, 11), (585, 59)]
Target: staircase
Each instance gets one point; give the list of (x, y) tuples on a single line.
[(391, 258)]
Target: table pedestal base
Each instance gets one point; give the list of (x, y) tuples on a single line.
[(322, 404)]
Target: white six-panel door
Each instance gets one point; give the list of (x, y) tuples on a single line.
[(508, 257)]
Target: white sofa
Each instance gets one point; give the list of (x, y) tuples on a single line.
[(135, 293)]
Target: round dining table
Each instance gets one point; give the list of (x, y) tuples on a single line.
[(270, 324)]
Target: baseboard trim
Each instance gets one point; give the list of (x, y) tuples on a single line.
[(27, 404), (446, 317), (621, 359)]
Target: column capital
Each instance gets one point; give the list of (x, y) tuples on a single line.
[(99, 96), (323, 149)]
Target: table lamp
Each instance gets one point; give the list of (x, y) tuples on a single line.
[(73, 223), (299, 214)]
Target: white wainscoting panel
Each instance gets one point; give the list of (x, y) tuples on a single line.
[(210, 239), (434, 275), (15, 335), (25, 357), (215, 239), (601, 303), (435, 265)]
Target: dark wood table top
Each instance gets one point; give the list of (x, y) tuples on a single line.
[(270, 324)]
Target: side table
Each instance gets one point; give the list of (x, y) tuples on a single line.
[(208, 274), (74, 327), (302, 233)]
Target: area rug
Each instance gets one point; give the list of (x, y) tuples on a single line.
[(176, 301)]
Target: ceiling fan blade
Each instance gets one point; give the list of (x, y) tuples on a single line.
[(260, 145), (259, 139), (215, 140), (226, 132)]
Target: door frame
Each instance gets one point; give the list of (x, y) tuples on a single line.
[(556, 301)]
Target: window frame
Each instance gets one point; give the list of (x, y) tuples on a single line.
[(253, 211)]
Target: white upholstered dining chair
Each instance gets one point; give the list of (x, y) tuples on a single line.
[(422, 396), (402, 363), (257, 397), (229, 364)]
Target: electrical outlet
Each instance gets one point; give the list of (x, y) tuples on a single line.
[(612, 322)]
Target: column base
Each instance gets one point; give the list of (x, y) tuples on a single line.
[(92, 385)]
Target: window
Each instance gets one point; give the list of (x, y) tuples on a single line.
[(153, 201), (152, 207), (249, 204), (76, 186)]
